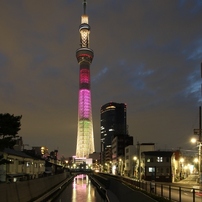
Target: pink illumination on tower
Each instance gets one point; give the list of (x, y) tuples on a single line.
[(85, 136)]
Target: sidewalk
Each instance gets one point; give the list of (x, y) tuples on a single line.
[(120, 192), (190, 180)]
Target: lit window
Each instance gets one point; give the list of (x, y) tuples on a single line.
[(151, 169), (159, 159), (111, 107)]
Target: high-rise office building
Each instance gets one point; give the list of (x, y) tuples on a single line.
[(113, 123), (84, 55)]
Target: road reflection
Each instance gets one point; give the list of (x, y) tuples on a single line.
[(81, 190)]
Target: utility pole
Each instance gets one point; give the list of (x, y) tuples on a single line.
[(200, 174), (139, 161), (198, 132)]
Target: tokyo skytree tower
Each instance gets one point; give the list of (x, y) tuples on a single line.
[(84, 55)]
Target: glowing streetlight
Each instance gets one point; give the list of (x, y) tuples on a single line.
[(194, 140), (181, 160), (134, 166), (120, 166), (195, 160)]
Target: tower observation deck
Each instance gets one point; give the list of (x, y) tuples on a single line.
[(84, 55)]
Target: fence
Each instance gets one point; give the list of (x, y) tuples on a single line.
[(168, 191)]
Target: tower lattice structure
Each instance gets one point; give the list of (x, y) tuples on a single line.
[(84, 55)]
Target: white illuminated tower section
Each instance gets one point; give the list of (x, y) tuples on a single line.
[(84, 55)]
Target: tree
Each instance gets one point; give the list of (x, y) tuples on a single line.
[(9, 127)]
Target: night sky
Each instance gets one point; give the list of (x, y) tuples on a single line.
[(148, 55)]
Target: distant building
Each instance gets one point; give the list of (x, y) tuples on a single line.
[(118, 145), (95, 156), (19, 146), (130, 162), (113, 123), (118, 152), (134, 164), (40, 151), (16, 165), (143, 147), (95, 161), (159, 165)]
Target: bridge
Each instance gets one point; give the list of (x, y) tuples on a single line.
[(81, 170)]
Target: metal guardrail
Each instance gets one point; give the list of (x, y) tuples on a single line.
[(169, 191)]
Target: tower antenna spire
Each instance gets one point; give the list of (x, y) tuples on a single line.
[(84, 6)]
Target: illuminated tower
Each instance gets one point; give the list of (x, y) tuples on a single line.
[(84, 55)]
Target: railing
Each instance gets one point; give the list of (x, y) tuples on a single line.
[(169, 191), (80, 170)]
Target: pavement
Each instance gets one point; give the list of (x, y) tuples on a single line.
[(119, 192), (124, 193), (190, 180)]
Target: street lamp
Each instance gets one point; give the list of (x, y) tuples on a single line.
[(120, 166), (193, 140), (195, 162), (134, 166), (106, 168)]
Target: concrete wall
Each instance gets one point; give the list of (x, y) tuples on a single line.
[(27, 190)]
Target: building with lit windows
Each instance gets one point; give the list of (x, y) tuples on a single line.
[(18, 166), (133, 161), (113, 124), (159, 166), (84, 55)]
